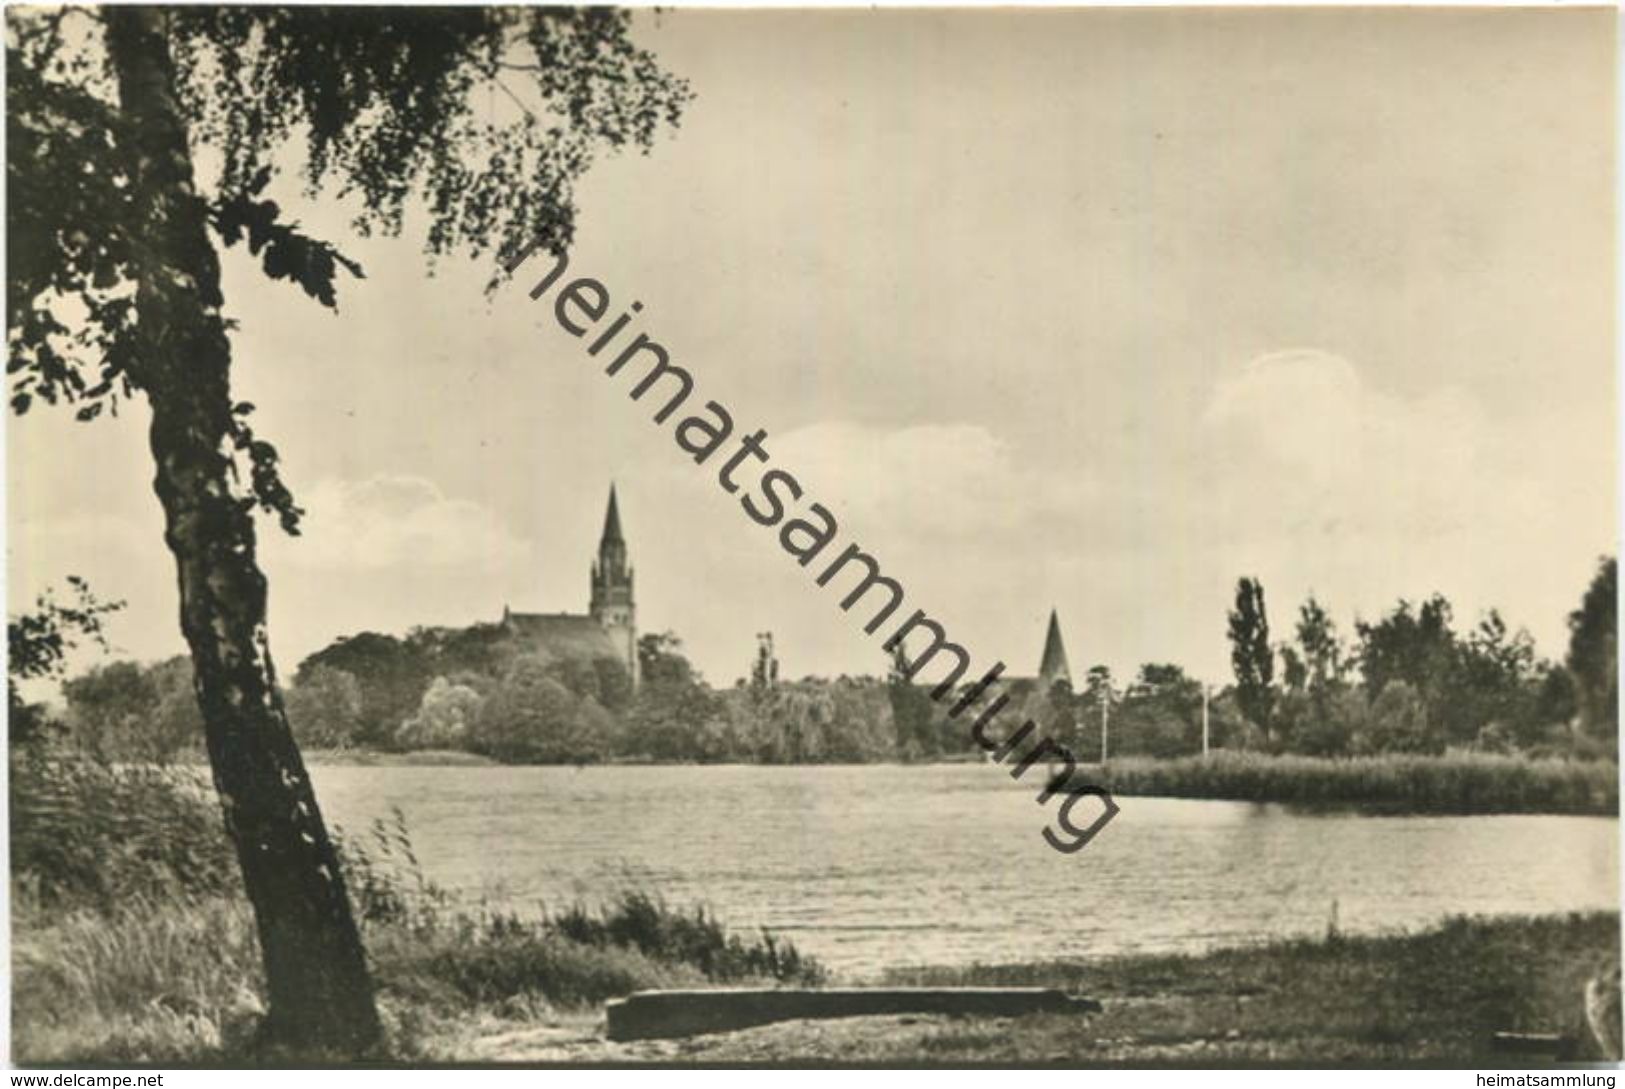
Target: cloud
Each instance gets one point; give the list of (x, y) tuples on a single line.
[(397, 523), (927, 484), (1297, 441), (1308, 476)]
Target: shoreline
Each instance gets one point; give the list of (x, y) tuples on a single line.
[(1432, 995), (1467, 784)]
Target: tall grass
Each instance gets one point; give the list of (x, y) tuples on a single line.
[(1453, 783), (643, 922), (133, 943), (168, 981), (86, 833)]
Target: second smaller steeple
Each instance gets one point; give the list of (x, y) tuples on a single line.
[(1053, 666)]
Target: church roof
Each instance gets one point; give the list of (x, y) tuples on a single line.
[(565, 635), (1053, 667)]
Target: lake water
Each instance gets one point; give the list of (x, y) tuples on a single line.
[(868, 867)]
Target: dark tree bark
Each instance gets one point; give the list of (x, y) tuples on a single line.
[(320, 991)]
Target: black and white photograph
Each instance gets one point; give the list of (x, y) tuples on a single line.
[(925, 537)]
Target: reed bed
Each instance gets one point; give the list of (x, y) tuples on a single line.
[(1453, 783)]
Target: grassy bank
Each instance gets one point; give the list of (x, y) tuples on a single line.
[(1437, 995), (1455, 783), (131, 941), (179, 981), (1433, 997), (134, 988)]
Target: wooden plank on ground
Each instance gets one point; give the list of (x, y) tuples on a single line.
[(1534, 1043), (650, 1015)]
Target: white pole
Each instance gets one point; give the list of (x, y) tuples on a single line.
[(1204, 718), (1105, 702)]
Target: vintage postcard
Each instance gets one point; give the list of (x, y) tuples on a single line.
[(803, 537)]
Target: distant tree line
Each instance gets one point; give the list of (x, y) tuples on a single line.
[(1411, 682), (1408, 681)]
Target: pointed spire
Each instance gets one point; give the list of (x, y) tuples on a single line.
[(612, 520), (1054, 667)]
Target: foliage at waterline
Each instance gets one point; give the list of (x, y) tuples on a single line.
[(1409, 683), (1453, 783)]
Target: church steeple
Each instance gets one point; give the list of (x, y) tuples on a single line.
[(611, 601), (612, 522), (611, 565), (1054, 667)]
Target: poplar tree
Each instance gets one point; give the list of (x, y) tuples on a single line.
[(1251, 656), (142, 140), (1593, 656)]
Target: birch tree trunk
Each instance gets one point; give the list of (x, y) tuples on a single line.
[(320, 991)]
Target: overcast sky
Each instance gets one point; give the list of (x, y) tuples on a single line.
[(1087, 311)]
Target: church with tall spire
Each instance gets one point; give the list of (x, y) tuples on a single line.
[(609, 628), (610, 602)]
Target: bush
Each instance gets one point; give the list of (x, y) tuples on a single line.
[(443, 718), (325, 708), (1399, 723), (533, 718)]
